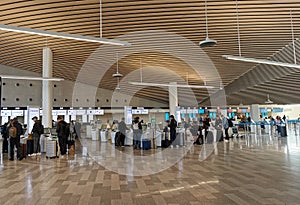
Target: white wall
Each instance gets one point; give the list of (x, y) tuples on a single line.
[(62, 94), (292, 111)]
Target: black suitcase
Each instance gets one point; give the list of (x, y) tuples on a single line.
[(22, 151), (146, 144), (29, 146), (210, 137), (165, 143), (5, 145), (118, 139), (199, 140)]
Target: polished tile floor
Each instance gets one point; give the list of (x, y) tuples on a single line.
[(253, 170)]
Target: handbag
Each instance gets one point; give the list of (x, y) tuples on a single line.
[(30, 137)]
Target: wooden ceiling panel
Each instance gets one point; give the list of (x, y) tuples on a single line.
[(264, 27)]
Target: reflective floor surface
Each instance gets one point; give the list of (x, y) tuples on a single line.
[(254, 169)]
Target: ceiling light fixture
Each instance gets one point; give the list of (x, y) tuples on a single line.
[(117, 74), (13, 77), (263, 61), (267, 62), (63, 35), (207, 42), (171, 85), (268, 101)]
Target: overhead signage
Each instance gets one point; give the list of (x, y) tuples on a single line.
[(61, 112), (189, 111), (99, 112), (128, 114), (90, 112), (17, 113), (80, 112), (277, 109), (183, 111), (145, 112), (71, 112), (136, 112), (5, 113), (201, 111)]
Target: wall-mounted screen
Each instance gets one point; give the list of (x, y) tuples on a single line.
[(201, 111)]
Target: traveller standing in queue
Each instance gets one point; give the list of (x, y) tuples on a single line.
[(137, 132), (62, 134), (37, 130), (14, 131), (206, 124), (4, 137), (226, 127), (122, 129), (172, 125)]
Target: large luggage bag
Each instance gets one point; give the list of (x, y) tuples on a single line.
[(51, 149), (118, 139), (5, 145), (146, 144), (165, 142), (29, 146), (71, 145), (43, 143), (23, 150)]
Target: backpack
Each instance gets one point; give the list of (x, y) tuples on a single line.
[(42, 129), (12, 132), (67, 129), (135, 126)]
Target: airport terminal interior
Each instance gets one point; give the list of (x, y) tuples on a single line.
[(150, 102)]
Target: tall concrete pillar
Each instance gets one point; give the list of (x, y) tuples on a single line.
[(47, 91), (254, 112), (173, 98)]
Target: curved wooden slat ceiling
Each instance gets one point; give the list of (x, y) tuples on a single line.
[(265, 31)]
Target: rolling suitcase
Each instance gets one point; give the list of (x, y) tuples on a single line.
[(118, 139), (51, 149), (5, 145), (29, 146), (146, 144), (71, 145), (23, 150), (165, 140)]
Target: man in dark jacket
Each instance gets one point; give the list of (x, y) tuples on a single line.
[(5, 137), (62, 134), (172, 125), (36, 134), (122, 128), (15, 140)]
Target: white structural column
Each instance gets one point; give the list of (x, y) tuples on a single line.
[(173, 98), (47, 91), (254, 112)]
